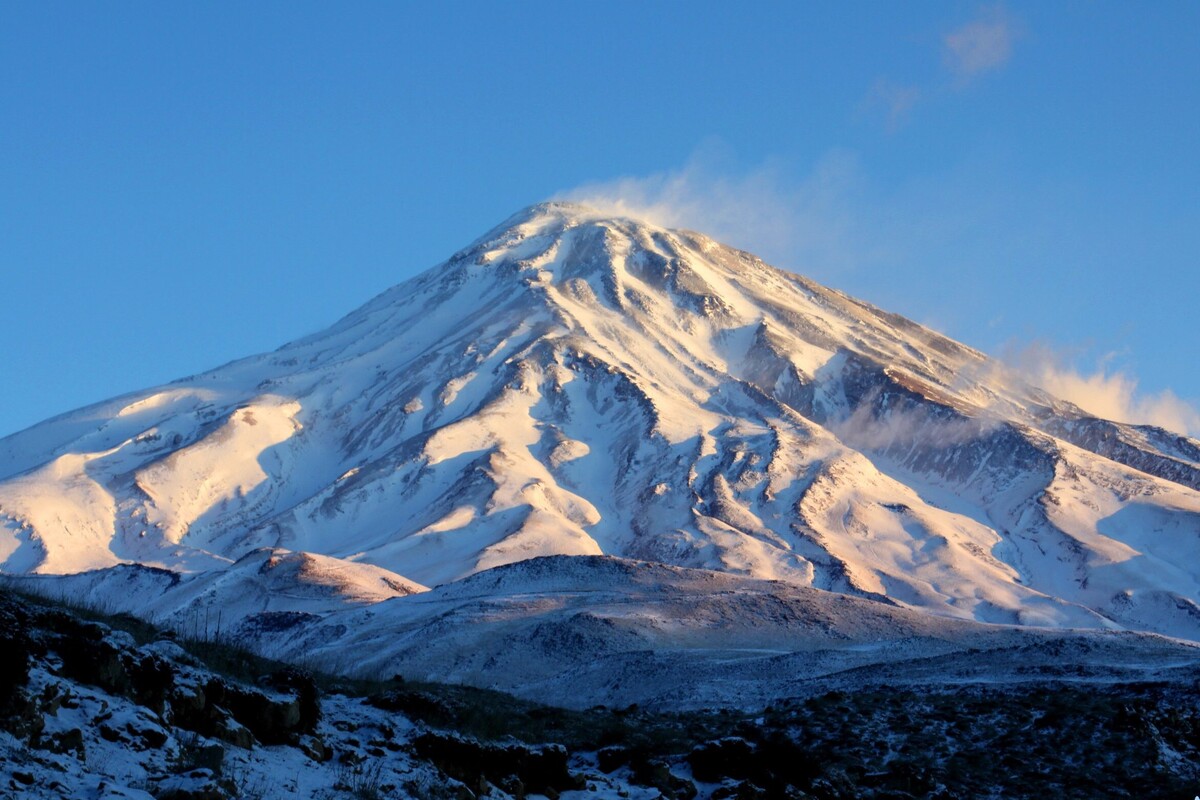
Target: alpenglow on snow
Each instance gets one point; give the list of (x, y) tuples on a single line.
[(576, 384)]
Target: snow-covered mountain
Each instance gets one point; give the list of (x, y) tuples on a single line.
[(574, 384)]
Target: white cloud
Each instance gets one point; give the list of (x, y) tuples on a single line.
[(982, 45), (1105, 392)]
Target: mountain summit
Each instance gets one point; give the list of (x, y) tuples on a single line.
[(576, 384)]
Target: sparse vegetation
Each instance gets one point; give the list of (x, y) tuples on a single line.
[(362, 782), (1030, 740)]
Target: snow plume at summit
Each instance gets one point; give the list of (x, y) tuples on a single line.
[(798, 222)]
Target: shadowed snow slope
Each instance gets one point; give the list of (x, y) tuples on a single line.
[(574, 384), (580, 630)]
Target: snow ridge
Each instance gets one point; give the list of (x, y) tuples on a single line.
[(574, 384)]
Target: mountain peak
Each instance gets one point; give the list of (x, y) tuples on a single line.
[(577, 211), (577, 382), (546, 235), (551, 217)]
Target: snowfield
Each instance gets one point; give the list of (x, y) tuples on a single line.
[(838, 481)]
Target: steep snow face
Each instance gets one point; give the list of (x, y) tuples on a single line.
[(575, 384)]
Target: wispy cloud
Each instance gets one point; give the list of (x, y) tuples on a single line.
[(984, 44), (868, 429), (894, 100), (1105, 391), (796, 218)]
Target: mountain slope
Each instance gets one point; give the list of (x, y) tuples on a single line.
[(576, 631), (573, 384)]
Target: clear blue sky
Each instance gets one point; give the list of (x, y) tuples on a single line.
[(183, 184)]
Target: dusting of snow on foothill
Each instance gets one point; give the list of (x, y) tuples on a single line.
[(612, 399)]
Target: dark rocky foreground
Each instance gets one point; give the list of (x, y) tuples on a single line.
[(95, 706)]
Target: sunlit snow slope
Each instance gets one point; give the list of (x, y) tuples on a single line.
[(575, 384)]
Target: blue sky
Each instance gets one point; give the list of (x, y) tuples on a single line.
[(184, 184)]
